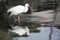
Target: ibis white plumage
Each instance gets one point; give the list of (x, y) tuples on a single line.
[(16, 10)]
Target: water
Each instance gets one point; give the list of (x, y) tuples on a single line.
[(37, 32), (45, 34)]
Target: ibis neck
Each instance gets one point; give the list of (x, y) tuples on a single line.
[(26, 9)]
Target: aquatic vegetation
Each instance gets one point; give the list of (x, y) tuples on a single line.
[(30, 24), (4, 36)]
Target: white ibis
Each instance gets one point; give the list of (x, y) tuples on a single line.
[(16, 10), (20, 30)]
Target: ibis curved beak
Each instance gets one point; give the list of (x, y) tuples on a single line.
[(30, 7)]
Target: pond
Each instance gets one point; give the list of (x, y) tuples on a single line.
[(45, 33), (37, 32)]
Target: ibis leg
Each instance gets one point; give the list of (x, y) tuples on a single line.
[(19, 20)]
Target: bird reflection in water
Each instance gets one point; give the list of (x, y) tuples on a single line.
[(21, 31)]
